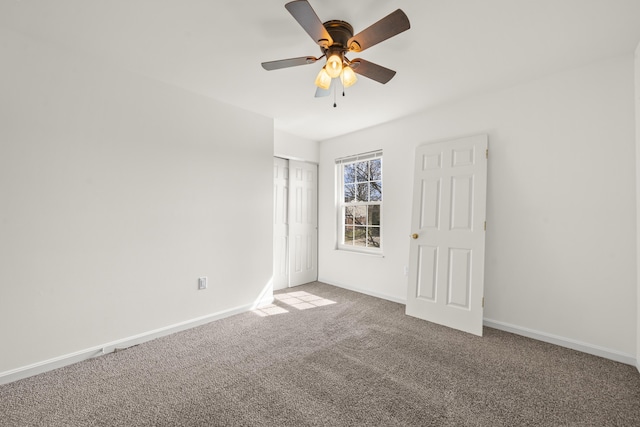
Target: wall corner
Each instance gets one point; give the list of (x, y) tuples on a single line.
[(637, 115)]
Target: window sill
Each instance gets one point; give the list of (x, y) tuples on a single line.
[(360, 252)]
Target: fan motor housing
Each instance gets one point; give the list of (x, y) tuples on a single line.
[(340, 32)]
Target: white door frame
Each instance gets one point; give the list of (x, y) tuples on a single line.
[(280, 223)]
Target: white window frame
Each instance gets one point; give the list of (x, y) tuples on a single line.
[(341, 204)]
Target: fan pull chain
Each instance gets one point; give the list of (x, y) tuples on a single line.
[(334, 96)]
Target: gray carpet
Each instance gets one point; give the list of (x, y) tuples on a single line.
[(359, 361)]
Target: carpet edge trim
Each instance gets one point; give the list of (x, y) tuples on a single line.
[(96, 351), (594, 350), (365, 291)]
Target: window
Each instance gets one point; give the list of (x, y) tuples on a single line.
[(360, 202)]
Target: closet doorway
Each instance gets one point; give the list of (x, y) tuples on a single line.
[(295, 223)]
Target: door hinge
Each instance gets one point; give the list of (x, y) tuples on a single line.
[(482, 302), (485, 226), (486, 153)]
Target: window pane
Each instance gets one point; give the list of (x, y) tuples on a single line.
[(348, 235), (375, 191), (359, 215), (348, 215), (349, 193), (361, 204), (349, 173), (362, 171), (375, 170), (363, 192), (373, 239), (360, 236), (374, 215)]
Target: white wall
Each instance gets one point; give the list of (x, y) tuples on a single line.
[(294, 147), (561, 254), (117, 193), (637, 80)]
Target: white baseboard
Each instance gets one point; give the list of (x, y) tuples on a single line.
[(565, 342), (365, 291), (617, 356), (71, 358)]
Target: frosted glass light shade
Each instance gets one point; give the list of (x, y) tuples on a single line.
[(348, 77), (323, 81), (334, 65)]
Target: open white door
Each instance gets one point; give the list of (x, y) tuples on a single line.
[(446, 266), (303, 222)]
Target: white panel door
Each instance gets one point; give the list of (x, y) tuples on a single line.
[(446, 266), (280, 223), (303, 222)]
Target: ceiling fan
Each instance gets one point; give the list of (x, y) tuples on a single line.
[(336, 39)]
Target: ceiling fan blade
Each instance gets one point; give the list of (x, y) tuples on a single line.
[(320, 93), (389, 26), (285, 63), (373, 71), (308, 19)]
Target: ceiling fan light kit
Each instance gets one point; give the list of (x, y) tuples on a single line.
[(323, 81), (335, 39), (334, 64), (348, 77)]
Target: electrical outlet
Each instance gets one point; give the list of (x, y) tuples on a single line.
[(406, 271), (202, 283)]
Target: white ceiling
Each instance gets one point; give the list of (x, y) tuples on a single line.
[(455, 48)]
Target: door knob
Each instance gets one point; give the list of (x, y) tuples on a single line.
[(414, 236)]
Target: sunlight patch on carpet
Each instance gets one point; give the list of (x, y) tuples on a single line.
[(269, 310), (299, 300), (302, 300)]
